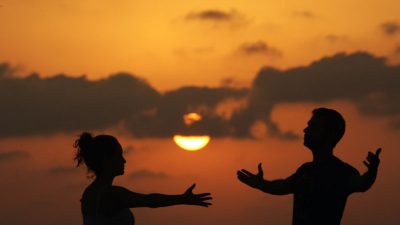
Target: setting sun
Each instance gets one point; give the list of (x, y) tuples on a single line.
[(191, 143)]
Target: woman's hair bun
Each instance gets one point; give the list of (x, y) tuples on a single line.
[(82, 145)]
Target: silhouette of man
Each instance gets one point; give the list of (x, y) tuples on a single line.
[(320, 187)]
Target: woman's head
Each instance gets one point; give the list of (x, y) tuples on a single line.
[(101, 154)]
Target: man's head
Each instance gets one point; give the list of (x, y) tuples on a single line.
[(325, 129)]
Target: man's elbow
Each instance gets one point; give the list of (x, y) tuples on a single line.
[(364, 188), (277, 191)]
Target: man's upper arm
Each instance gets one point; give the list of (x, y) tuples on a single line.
[(285, 186), (355, 182), (289, 183)]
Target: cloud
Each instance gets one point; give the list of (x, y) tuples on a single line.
[(129, 150), (34, 105), (13, 155), (304, 14), (335, 38), (397, 50), (63, 170), (146, 174), (390, 28), (39, 106), (6, 71), (215, 16), (259, 47), (361, 78), (167, 119), (230, 82)]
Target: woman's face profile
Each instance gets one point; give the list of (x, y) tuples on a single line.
[(115, 163)]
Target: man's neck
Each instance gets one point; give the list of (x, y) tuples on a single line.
[(323, 154)]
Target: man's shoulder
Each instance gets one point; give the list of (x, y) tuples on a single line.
[(305, 166), (345, 167), (336, 164)]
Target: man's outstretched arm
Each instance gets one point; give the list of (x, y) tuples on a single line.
[(275, 187), (364, 182)]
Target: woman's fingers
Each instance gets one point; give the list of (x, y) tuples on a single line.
[(203, 195)]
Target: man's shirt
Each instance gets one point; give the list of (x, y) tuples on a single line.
[(320, 192)]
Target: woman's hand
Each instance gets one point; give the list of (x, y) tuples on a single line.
[(196, 199)]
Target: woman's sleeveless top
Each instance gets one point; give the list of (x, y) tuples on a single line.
[(123, 217)]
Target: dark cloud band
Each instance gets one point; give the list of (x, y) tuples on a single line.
[(39, 106)]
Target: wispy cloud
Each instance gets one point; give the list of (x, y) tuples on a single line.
[(304, 14), (13, 155), (397, 50), (63, 170), (129, 149), (259, 47), (214, 15), (390, 28), (335, 38), (147, 174), (218, 17)]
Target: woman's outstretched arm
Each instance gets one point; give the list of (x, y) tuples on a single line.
[(119, 197)]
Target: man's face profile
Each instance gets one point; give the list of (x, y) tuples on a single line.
[(316, 134)]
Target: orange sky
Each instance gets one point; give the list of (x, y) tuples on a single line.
[(171, 43)]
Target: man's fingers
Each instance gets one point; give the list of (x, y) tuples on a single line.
[(260, 170), (241, 176), (244, 179), (366, 164), (378, 152), (247, 173), (239, 173)]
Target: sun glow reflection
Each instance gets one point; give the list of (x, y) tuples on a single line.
[(191, 143), (191, 118)]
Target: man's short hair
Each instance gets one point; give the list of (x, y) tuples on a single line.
[(334, 122)]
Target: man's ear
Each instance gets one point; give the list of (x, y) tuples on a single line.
[(331, 138)]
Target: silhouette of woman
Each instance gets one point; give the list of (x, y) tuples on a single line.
[(104, 203)]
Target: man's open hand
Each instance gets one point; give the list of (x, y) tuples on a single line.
[(253, 180)]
